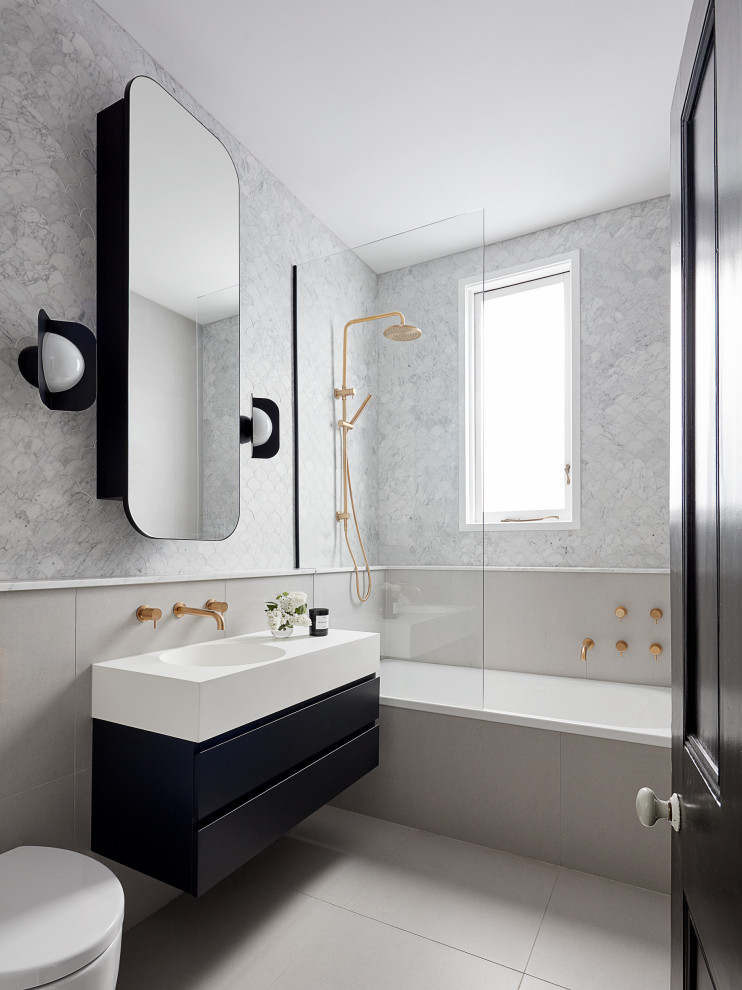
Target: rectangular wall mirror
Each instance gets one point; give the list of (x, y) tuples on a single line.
[(168, 318)]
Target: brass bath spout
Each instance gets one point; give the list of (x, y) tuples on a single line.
[(587, 644)]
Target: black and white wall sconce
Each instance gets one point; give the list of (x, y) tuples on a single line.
[(61, 365), (262, 428)]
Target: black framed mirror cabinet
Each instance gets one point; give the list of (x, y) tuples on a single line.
[(168, 317)]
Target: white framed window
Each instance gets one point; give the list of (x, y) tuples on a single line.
[(519, 356)]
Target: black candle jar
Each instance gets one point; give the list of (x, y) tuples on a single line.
[(320, 621)]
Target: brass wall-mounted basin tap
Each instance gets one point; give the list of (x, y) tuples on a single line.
[(180, 609)]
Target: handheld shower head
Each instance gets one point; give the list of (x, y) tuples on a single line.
[(402, 331)]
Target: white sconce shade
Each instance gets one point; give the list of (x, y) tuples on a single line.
[(62, 362), (262, 427), (62, 365)]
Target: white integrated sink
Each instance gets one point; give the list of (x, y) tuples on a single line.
[(240, 652), (200, 691)]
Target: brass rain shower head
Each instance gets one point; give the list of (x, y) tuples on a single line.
[(397, 331), (402, 331)]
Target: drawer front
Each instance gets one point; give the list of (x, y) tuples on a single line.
[(236, 837), (227, 771)]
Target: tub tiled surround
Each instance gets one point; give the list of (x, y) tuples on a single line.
[(552, 796), (535, 620)]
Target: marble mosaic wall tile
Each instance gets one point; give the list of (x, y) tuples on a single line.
[(332, 291), (219, 389), (625, 386), (61, 61)]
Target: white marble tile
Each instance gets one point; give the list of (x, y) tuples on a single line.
[(624, 265), (62, 63)]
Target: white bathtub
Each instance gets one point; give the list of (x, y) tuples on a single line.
[(629, 712)]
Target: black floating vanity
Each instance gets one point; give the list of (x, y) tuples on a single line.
[(204, 755), (189, 813)]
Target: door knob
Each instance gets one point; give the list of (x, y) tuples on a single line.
[(651, 809)]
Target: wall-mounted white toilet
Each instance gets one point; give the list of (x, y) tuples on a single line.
[(60, 921)]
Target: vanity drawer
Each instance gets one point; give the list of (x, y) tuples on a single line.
[(231, 769), (231, 840)]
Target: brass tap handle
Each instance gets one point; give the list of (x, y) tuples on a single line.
[(145, 613), (621, 612), (216, 606), (655, 649), (622, 646), (587, 644), (656, 614)]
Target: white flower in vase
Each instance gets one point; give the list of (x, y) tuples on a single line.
[(288, 610)]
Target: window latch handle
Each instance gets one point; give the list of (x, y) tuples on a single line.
[(567, 468)]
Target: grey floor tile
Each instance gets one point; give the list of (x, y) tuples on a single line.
[(306, 868), (357, 953), (346, 831), (237, 935), (483, 901), (598, 932), (531, 983)]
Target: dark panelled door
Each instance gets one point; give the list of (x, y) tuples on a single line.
[(706, 501)]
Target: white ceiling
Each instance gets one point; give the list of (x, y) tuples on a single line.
[(388, 115)]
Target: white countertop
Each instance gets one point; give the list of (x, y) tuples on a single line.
[(200, 702)]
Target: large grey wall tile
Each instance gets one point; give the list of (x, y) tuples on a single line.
[(535, 622), (484, 782), (338, 593), (416, 627), (43, 816), (247, 597), (387, 792), (600, 831), (37, 688), (107, 628), (517, 772), (487, 782), (638, 593)]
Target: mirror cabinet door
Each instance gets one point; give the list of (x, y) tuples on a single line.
[(173, 322)]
